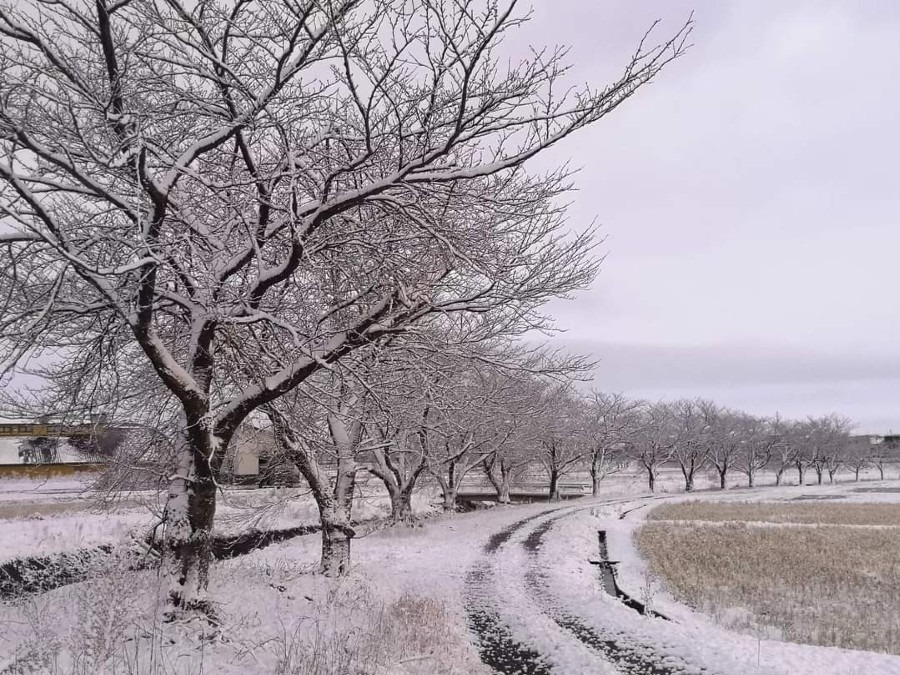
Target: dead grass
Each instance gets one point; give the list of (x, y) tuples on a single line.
[(827, 585), (344, 627), (351, 633), (781, 512)]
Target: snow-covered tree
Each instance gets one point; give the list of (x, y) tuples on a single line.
[(612, 424), (692, 432), (655, 440), (241, 194)]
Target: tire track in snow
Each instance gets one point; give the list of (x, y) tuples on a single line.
[(630, 659), (497, 647)]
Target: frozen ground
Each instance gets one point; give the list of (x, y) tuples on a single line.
[(515, 582)]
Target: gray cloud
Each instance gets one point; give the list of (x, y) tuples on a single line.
[(750, 205)]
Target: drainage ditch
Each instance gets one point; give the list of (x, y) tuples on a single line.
[(607, 569)]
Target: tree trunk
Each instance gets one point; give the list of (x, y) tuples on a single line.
[(856, 472), (334, 514), (651, 479), (554, 485), (800, 471), (336, 536), (722, 474), (596, 475), (688, 474), (187, 550), (449, 498), (881, 472), (402, 511), (778, 475), (501, 484), (831, 476), (818, 474), (752, 474), (503, 496)]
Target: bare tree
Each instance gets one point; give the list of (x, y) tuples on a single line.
[(723, 438), (248, 192), (762, 439), (786, 451), (655, 441), (613, 421), (692, 433), (859, 454), (322, 428), (563, 436)]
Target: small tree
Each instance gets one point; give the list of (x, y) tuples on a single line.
[(761, 440), (859, 454), (655, 440), (613, 421), (563, 439), (692, 433), (724, 437)]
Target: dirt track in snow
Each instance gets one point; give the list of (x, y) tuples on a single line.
[(507, 655)]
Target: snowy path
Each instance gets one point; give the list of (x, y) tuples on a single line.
[(521, 627)]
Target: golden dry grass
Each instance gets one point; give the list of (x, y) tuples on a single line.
[(824, 513), (826, 585)]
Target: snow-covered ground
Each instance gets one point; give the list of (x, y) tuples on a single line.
[(527, 567)]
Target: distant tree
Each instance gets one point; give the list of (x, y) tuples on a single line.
[(655, 439), (859, 454), (612, 424), (692, 433), (563, 436), (761, 440)]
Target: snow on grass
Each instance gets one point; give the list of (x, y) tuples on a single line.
[(46, 517), (808, 512), (634, 578)]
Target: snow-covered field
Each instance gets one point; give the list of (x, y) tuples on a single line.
[(515, 575)]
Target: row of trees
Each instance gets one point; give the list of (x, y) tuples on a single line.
[(214, 212)]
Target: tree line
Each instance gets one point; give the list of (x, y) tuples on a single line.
[(213, 213)]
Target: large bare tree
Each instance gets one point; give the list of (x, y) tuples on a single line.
[(242, 193)]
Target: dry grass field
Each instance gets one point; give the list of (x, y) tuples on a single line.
[(829, 585), (809, 513)]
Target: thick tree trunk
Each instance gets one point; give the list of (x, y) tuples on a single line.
[(651, 479), (831, 477), (778, 475), (819, 474), (752, 474), (449, 498), (501, 483), (554, 485), (336, 537), (401, 510), (688, 473), (723, 472), (800, 471), (595, 485), (503, 495), (187, 550)]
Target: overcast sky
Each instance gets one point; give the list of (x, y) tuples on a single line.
[(750, 201)]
